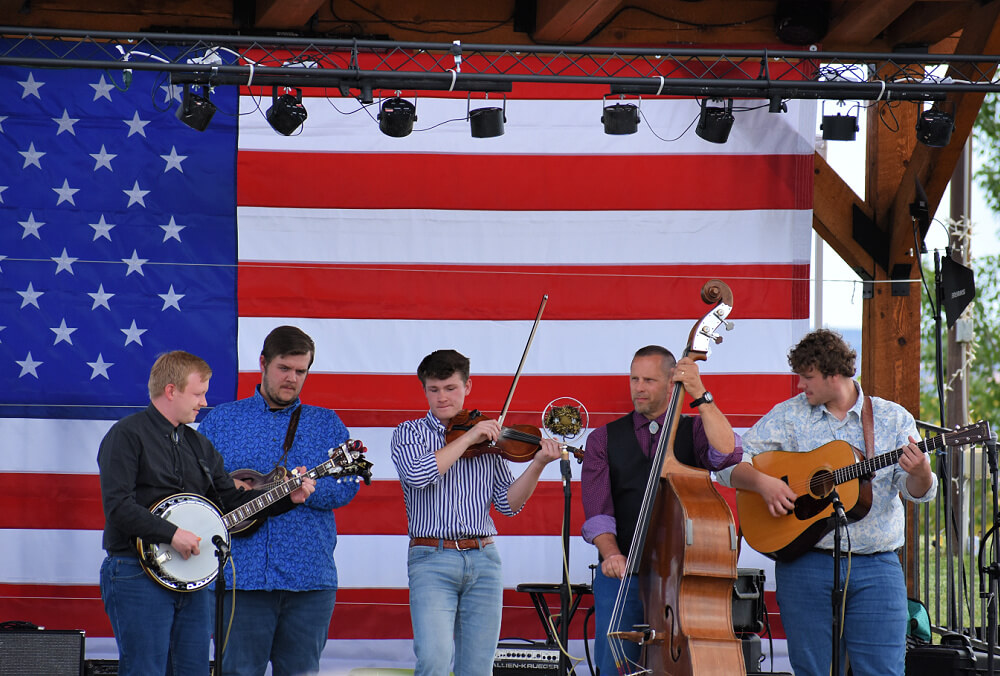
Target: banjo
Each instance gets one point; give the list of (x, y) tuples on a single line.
[(194, 513)]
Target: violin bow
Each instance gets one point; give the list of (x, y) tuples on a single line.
[(517, 375)]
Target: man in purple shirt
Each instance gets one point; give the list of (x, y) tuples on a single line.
[(616, 466)]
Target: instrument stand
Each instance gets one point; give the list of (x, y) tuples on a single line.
[(565, 591), (837, 595), (222, 554)]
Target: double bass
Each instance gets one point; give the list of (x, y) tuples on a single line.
[(685, 549)]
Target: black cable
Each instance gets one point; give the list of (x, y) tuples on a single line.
[(408, 25)]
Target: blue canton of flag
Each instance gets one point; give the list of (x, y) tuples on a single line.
[(117, 240)]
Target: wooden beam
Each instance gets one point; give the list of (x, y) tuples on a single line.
[(833, 214), (286, 13), (571, 21), (860, 24)]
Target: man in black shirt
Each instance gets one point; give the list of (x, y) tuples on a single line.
[(144, 458)]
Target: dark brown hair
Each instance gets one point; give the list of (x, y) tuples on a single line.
[(442, 364), (824, 350)]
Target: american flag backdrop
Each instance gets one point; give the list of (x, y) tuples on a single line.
[(124, 233)]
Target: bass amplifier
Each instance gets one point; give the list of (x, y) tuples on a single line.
[(525, 659)]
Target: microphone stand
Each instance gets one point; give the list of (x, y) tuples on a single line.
[(992, 570), (837, 594), (565, 590), (222, 554)]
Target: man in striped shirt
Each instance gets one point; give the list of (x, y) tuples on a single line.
[(456, 589)]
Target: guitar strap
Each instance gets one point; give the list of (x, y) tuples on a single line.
[(293, 424), (868, 427)]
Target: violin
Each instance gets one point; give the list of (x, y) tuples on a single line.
[(517, 443)]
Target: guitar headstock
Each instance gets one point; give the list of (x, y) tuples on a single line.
[(971, 434), (704, 332)]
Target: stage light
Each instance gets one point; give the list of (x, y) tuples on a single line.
[(286, 113), (396, 117), (934, 127), (838, 127), (196, 111), (715, 122), (486, 122), (621, 118), (801, 22)]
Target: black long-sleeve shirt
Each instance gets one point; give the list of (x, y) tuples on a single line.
[(143, 459)]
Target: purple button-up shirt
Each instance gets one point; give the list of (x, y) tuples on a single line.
[(595, 482)]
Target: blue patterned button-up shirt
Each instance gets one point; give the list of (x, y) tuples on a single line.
[(795, 425), (292, 551)]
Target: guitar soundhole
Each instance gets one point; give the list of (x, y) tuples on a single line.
[(821, 483)]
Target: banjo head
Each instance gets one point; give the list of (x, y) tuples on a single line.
[(193, 513)]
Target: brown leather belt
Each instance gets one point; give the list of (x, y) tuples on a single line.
[(472, 543)]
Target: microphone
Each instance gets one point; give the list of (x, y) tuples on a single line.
[(221, 546), (838, 508)]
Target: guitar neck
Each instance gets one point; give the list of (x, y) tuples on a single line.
[(871, 465), (262, 502)]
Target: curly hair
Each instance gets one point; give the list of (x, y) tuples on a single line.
[(824, 350)]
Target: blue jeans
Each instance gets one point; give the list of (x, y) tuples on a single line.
[(287, 628), (874, 621), (158, 631), (605, 592), (455, 594)]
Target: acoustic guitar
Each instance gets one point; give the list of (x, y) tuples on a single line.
[(813, 476)]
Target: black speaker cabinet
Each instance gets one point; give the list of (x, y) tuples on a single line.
[(41, 652)]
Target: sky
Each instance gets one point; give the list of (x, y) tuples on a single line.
[(841, 286)]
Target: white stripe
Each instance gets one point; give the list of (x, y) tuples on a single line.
[(559, 347), (555, 127), (44, 445), (363, 561), (524, 237)]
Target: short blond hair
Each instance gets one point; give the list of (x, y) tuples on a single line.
[(174, 368)]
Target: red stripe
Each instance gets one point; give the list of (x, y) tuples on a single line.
[(359, 613), (523, 182), (575, 292), (378, 400), (377, 510), (572, 66)]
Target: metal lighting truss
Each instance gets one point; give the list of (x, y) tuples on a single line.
[(357, 67)]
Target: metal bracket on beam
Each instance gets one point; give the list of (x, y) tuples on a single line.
[(867, 283), (868, 235), (900, 279)]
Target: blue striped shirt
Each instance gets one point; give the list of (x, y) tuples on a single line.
[(453, 505)]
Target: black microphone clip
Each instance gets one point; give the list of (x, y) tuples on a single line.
[(991, 451), (221, 546), (838, 508)]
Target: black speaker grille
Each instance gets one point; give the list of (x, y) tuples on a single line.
[(41, 653)]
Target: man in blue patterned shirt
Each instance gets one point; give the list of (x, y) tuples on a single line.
[(456, 590), (829, 408), (285, 591)]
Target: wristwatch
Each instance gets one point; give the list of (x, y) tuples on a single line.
[(706, 398)]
